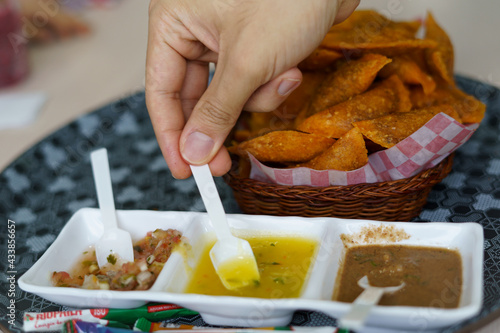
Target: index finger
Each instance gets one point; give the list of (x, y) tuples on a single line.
[(165, 71)]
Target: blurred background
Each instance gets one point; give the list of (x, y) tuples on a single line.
[(74, 75), (78, 74)]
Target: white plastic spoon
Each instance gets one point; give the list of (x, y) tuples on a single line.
[(232, 257), (114, 243), (362, 305)]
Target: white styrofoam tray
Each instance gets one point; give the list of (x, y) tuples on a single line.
[(85, 227)]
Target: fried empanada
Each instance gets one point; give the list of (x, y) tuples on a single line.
[(283, 147), (409, 72), (346, 154), (388, 130), (441, 59), (386, 97), (368, 31), (350, 79), (468, 107)]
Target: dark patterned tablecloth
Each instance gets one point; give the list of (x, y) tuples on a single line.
[(42, 189)]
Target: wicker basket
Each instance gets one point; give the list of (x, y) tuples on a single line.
[(399, 200)]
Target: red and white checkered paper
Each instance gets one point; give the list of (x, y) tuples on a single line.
[(422, 150)]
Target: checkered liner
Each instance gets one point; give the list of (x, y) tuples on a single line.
[(422, 150)]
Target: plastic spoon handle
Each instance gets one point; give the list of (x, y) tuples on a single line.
[(361, 308), (210, 196), (100, 168), (362, 305)]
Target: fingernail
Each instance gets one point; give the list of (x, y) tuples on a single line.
[(197, 147), (287, 86)]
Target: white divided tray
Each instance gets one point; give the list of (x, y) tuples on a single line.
[(85, 227)]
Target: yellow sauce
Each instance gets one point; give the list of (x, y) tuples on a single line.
[(239, 273), (283, 262)]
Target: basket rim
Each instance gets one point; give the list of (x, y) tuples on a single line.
[(424, 179)]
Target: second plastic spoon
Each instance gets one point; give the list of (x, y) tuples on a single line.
[(232, 257)]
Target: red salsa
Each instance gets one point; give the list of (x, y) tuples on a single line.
[(150, 255)]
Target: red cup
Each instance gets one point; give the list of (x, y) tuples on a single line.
[(13, 49)]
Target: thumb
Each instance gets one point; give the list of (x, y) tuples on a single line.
[(216, 112)]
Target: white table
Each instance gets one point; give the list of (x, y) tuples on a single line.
[(82, 74)]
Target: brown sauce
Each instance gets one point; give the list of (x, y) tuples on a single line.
[(432, 276)]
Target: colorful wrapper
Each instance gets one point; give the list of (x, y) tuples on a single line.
[(78, 326), (424, 149), (49, 321), (144, 325)]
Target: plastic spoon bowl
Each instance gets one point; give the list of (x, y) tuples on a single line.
[(232, 257), (114, 244), (362, 305)]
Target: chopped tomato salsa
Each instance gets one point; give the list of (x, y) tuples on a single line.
[(150, 255)]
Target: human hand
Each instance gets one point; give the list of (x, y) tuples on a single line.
[(256, 45)]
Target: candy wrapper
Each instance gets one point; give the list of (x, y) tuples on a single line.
[(49, 321), (422, 150), (78, 326), (144, 325)]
